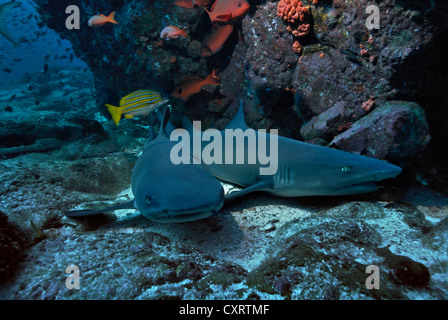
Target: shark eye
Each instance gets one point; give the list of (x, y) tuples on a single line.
[(346, 169), (148, 200)]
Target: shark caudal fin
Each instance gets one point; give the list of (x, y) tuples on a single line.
[(115, 112)]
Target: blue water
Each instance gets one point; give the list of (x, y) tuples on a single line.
[(35, 44)]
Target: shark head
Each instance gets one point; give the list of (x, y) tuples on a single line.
[(336, 172), (189, 194), (167, 191)]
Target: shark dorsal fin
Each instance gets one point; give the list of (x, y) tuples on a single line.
[(163, 123), (238, 121)]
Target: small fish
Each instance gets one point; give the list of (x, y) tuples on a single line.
[(17, 59), (71, 57), (45, 68), (192, 85), (228, 10), (100, 19), (201, 3), (137, 103), (214, 41), (7, 70), (172, 32), (186, 4), (191, 4)]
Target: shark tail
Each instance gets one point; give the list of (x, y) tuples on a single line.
[(115, 112), (84, 213)]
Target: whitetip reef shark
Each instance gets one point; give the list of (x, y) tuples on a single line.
[(5, 8), (165, 192), (304, 169)]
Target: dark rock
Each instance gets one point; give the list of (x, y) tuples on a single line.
[(40, 145), (109, 175), (396, 131), (13, 246), (282, 286), (326, 124), (405, 270), (334, 80), (44, 133)]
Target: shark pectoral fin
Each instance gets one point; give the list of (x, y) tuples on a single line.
[(84, 213), (256, 187)]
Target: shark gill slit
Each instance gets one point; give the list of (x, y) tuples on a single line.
[(283, 177)]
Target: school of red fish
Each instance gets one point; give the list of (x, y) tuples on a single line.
[(223, 16)]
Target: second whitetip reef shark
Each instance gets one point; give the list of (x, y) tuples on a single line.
[(304, 169)]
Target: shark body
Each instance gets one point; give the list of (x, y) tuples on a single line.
[(5, 8), (164, 192), (303, 169)]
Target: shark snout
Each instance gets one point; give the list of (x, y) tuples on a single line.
[(386, 172)]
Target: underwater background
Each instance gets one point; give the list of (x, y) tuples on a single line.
[(39, 45), (312, 69)]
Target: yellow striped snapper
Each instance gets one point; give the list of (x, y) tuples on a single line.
[(137, 103)]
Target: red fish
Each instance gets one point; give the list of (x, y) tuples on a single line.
[(186, 4), (201, 3), (100, 19), (228, 10), (172, 32), (191, 4), (192, 85), (214, 41)]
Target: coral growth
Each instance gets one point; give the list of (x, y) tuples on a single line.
[(297, 16), (296, 46), (368, 105)]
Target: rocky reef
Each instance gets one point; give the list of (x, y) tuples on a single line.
[(342, 72), (317, 73)]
